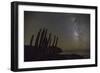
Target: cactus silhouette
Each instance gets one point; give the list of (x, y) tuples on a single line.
[(56, 42), (31, 41), (41, 38), (37, 39), (49, 40), (44, 41)]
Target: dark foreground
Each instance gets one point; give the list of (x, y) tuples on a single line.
[(32, 53)]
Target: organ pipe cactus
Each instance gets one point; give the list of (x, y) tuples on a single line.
[(31, 40), (37, 39), (44, 41)]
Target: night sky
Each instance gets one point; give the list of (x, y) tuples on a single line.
[(73, 30)]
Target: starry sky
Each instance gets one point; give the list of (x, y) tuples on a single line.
[(72, 29)]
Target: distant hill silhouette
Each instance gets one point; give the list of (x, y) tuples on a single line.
[(45, 48)]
